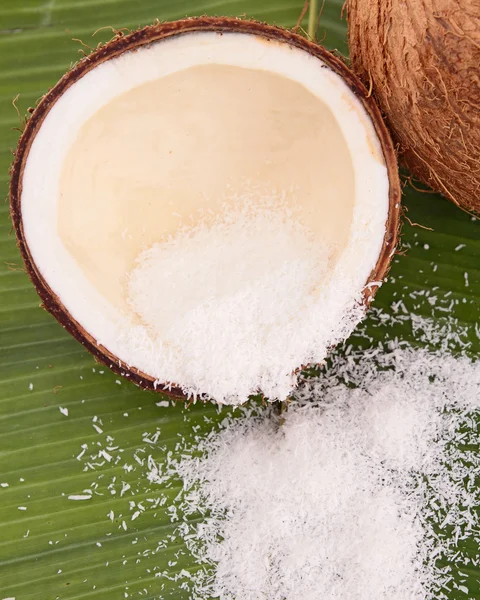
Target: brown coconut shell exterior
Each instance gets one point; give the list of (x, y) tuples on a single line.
[(422, 59), (148, 35)]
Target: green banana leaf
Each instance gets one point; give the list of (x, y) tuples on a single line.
[(58, 541)]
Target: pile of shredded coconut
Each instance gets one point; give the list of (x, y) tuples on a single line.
[(366, 488), (234, 305)]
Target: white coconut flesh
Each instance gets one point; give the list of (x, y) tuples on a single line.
[(209, 209)]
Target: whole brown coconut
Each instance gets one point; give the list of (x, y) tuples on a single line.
[(422, 61)]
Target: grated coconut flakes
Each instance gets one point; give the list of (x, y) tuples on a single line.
[(242, 300), (364, 489)]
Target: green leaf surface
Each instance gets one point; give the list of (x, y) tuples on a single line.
[(55, 547)]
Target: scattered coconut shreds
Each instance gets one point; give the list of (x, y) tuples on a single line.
[(87, 495), (163, 404), (366, 488), (257, 298)]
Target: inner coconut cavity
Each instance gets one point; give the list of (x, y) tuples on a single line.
[(209, 209)]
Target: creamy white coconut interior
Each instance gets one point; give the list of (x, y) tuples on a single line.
[(209, 209), (146, 162)]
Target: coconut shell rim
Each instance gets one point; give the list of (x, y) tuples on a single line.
[(150, 34)]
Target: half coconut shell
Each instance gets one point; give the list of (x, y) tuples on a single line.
[(148, 35)]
